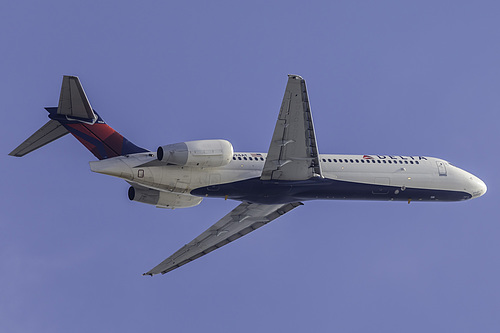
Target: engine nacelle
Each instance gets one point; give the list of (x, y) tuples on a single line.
[(162, 199), (200, 153)]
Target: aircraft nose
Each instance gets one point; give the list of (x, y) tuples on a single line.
[(482, 187), (478, 187)]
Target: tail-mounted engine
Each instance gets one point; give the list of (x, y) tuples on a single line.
[(162, 199), (201, 153)]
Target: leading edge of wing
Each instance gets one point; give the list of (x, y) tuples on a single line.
[(242, 220)]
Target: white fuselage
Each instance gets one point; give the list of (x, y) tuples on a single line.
[(366, 177)]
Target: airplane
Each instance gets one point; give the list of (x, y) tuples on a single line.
[(268, 185)]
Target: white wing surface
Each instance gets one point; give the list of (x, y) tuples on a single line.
[(293, 153), (242, 220)]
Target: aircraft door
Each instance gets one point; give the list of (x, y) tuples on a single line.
[(441, 168)]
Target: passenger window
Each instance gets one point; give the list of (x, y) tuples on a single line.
[(239, 158), (324, 160), (330, 160), (245, 158), (335, 160)]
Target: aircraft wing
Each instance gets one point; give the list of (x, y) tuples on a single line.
[(293, 153), (49, 132), (242, 220)]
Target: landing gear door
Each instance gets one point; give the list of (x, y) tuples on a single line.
[(441, 168)]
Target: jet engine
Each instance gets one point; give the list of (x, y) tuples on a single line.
[(201, 153), (162, 199)]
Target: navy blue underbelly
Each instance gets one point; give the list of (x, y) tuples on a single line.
[(277, 192)]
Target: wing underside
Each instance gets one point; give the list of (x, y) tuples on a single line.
[(293, 152), (242, 220)]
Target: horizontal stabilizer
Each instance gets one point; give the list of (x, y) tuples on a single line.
[(73, 102), (49, 132)]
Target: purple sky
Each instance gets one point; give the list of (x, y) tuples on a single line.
[(384, 77)]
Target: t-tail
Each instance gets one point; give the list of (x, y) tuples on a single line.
[(75, 115)]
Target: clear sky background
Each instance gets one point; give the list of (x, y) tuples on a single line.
[(384, 77)]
